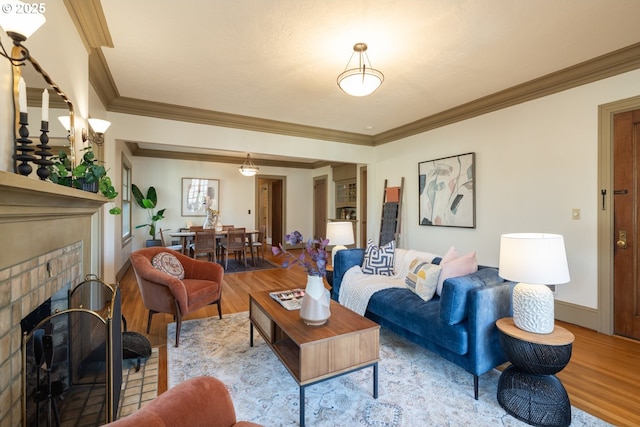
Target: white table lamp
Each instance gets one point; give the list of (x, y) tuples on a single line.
[(339, 234), (535, 260)]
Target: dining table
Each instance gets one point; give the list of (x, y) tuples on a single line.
[(187, 236)]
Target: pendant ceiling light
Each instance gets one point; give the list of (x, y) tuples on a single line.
[(361, 81), (248, 168)]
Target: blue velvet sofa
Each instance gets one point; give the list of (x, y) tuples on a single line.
[(458, 325)]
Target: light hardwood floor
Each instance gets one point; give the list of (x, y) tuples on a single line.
[(602, 378)]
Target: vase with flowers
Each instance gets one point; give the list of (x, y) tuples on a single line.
[(315, 309)]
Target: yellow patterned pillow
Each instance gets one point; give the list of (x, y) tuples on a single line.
[(422, 278)]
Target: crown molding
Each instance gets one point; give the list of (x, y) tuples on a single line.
[(92, 27), (90, 22), (215, 118), (135, 149), (608, 65)]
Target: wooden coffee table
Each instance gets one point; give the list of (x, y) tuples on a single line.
[(346, 343)]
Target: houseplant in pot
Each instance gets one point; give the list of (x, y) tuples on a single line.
[(89, 175), (149, 203), (315, 310)]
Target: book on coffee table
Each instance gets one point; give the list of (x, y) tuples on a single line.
[(291, 300)]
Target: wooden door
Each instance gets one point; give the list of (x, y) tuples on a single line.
[(363, 207), (320, 194), (277, 198), (626, 283)]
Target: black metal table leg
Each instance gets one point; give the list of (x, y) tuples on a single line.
[(375, 380), (302, 406)]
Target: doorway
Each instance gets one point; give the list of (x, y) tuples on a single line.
[(608, 234), (626, 213), (320, 197), (269, 207)]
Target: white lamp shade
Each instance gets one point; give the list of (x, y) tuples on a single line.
[(340, 233), (533, 258), (99, 125), (24, 24), (355, 82)]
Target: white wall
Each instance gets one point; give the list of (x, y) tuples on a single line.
[(535, 162)]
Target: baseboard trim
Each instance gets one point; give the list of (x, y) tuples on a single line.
[(120, 274), (578, 315)]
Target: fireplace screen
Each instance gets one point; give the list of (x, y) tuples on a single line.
[(72, 359)]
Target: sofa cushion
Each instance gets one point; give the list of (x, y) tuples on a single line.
[(169, 264), (454, 299), (405, 309), (379, 260), (422, 278), (460, 266)]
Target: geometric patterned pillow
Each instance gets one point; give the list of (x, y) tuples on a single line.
[(379, 260), (422, 278), (167, 263)]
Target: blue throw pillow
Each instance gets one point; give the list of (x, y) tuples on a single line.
[(379, 260)]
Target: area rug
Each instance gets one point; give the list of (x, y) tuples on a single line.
[(238, 266), (416, 387)]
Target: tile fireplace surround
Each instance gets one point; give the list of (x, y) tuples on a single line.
[(46, 232)]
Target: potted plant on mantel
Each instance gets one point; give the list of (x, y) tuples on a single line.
[(89, 175), (149, 203)]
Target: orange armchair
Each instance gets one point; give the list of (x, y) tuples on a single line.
[(197, 402), (163, 293)]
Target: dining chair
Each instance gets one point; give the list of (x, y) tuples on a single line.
[(204, 243), (237, 243), (166, 240), (258, 242)]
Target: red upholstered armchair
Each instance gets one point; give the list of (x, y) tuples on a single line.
[(164, 293), (198, 402)]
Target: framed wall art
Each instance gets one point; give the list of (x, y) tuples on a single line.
[(197, 194), (447, 191)]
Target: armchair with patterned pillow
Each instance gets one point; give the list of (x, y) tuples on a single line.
[(173, 283)]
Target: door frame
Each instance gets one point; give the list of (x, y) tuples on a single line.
[(256, 208), (605, 216)]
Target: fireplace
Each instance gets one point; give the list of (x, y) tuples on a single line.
[(72, 357), (49, 234)]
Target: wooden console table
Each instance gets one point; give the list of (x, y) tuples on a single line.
[(346, 343)]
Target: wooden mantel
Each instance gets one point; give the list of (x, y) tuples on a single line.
[(39, 216), (24, 199)]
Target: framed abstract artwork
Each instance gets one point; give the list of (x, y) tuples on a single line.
[(447, 191), (197, 193)]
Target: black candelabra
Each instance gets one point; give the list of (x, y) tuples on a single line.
[(43, 171), (22, 147)]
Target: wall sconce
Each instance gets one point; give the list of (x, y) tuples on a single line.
[(19, 27), (99, 127), (248, 168)]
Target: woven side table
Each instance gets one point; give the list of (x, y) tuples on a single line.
[(529, 389)]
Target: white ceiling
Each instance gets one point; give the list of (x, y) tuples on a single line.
[(279, 59)]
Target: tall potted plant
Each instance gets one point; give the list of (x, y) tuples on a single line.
[(149, 203)]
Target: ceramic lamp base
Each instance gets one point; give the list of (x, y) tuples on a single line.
[(533, 308)]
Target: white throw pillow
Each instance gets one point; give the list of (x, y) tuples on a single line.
[(423, 278), (168, 263), (379, 260)]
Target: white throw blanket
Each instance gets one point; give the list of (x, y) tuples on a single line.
[(357, 287)]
